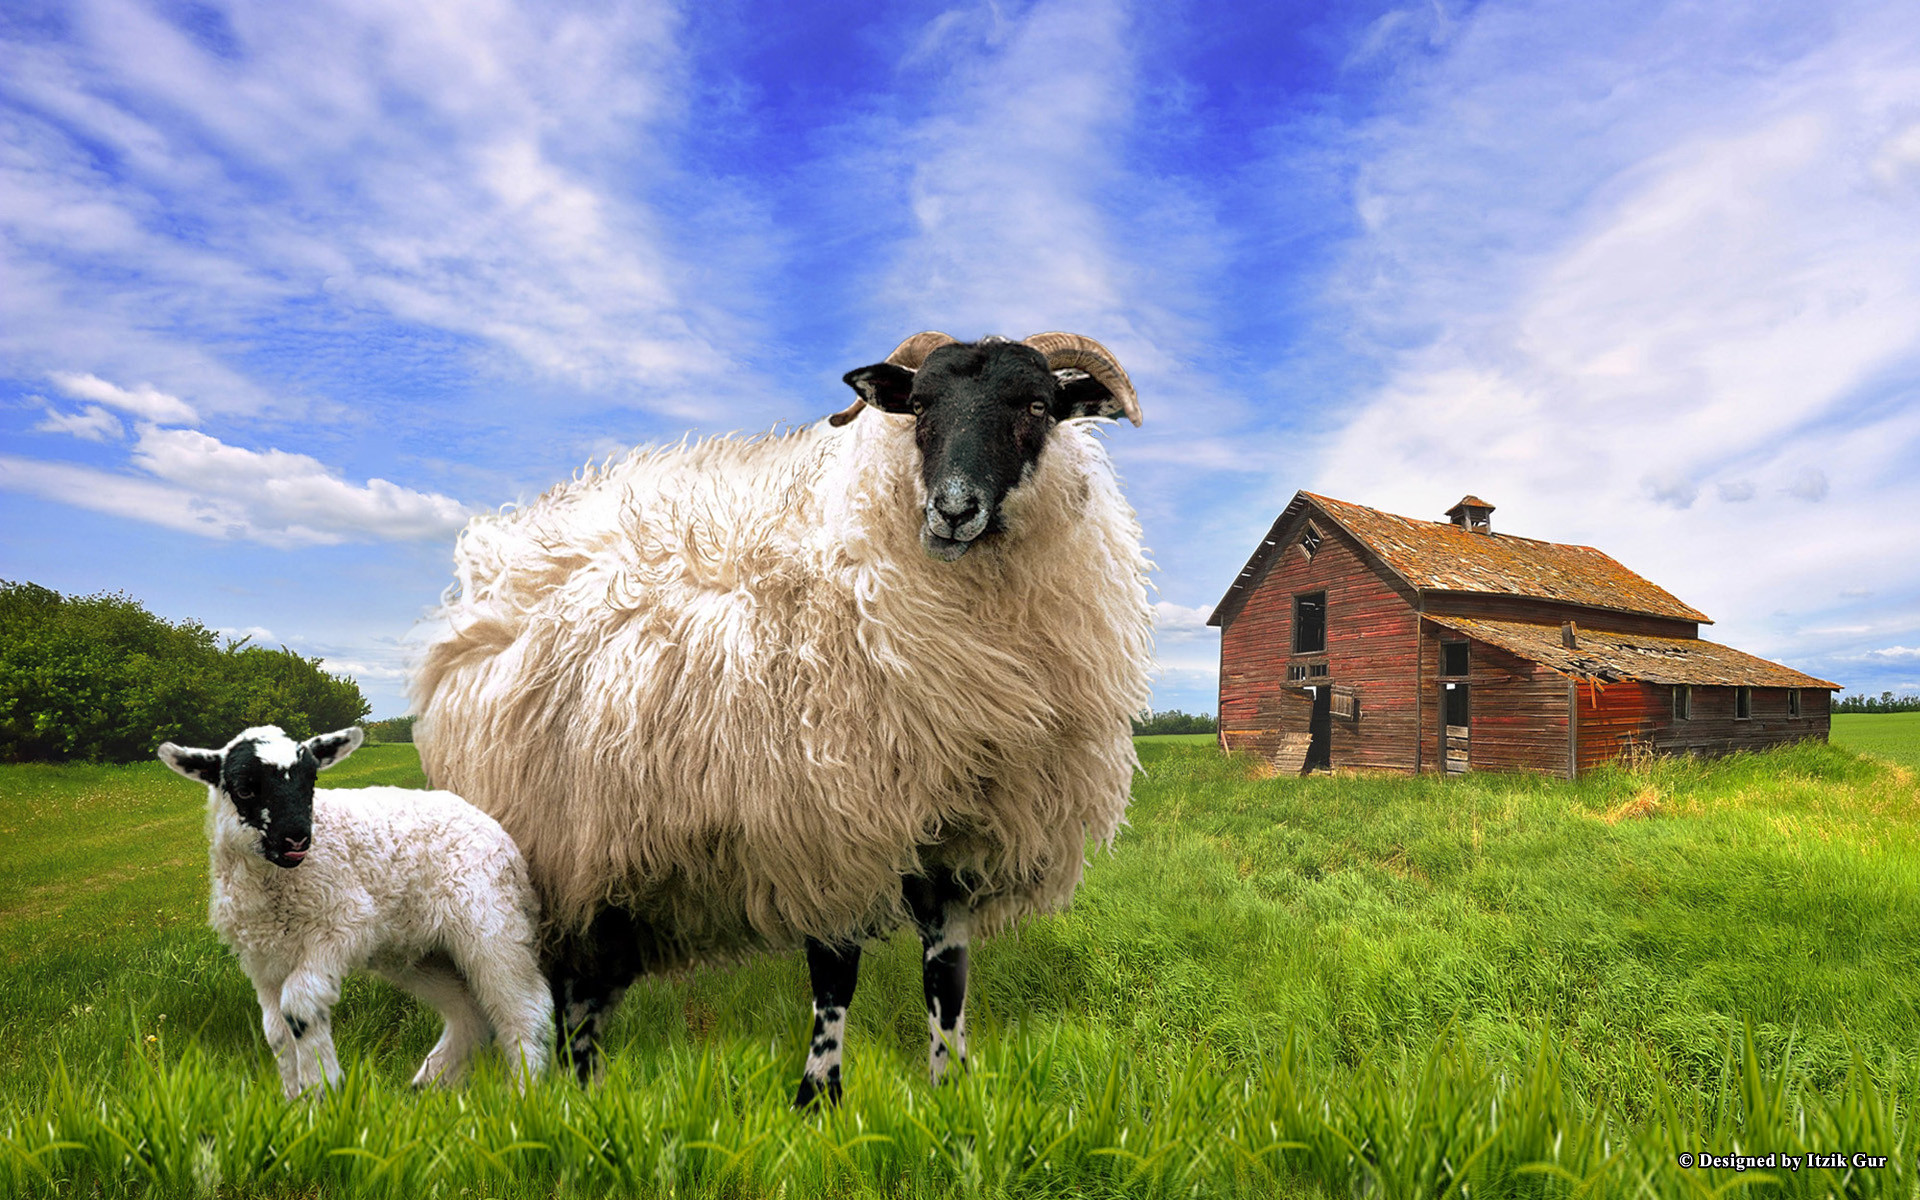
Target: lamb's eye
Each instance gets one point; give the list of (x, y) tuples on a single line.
[(1038, 408), (918, 408)]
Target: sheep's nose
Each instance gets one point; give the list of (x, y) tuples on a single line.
[(960, 506), (299, 843), (958, 510)]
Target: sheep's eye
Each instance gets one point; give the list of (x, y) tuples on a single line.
[(1038, 408), (243, 791), (918, 408)]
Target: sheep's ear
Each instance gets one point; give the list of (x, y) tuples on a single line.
[(330, 748), (202, 766), (886, 386), (1085, 396)]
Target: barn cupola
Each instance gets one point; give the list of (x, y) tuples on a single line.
[(1472, 514)]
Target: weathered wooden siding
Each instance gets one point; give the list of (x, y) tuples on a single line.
[(1517, 708), (1553, 612), (1623, 714), (1372, 639)]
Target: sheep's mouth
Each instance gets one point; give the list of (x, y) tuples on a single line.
[(945, 549), (287, 858)]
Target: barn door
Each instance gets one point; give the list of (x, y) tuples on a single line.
[(1320, 749), (1456, 724)]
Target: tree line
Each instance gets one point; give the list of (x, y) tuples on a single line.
[(1175, 721), (100, 679), (1885, 702)]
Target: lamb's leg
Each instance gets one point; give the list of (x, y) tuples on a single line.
[(306, 1006), (279, 1037), (506, 981), (590, 973), (834, 971), (437, 984), (938, 905)]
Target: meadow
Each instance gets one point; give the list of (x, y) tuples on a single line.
[(1327, 987)]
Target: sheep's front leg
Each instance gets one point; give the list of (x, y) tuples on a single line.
[(279, 1037), (939, 910), (306, 1008), (834, 971)]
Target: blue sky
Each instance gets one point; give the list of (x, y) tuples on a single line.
[(288, 291)]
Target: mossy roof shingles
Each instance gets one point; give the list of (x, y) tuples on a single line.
[(1607, 657), (1441, 556)]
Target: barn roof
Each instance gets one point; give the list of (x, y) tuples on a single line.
[(1442, 557), (1607, 657)]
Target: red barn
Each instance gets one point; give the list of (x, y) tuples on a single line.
[(1357, 638)]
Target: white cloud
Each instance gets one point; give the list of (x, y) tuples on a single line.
[(92, 423), (201, 485), (492, 175), (145, 402), (1809, 484), (1609, 271)]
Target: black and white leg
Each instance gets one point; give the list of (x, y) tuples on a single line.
[(939, 908), (834, 971), (590, 974), (306, 1001)]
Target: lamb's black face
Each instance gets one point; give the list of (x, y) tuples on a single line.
[(271, 787), (982, 412)]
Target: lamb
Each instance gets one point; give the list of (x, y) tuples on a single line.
[(749, 695), (419, 887)]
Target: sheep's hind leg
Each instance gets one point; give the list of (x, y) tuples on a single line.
[(437, 984), (834, 971), (507, 983), (938, 904), (590, 974)]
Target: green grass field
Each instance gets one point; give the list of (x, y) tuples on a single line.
[(1329, 987), (1893, 736)]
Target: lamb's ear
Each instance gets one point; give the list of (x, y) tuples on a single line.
[(886, 386), (1086, 396), (202, 766), (330, 748)]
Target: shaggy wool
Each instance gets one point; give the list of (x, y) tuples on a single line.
[(722, 685)]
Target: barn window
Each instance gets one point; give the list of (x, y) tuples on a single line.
[(1309, 540), (1310, 623), (1682, 702), (1742, 703), (1453, 658), (1793, 702)]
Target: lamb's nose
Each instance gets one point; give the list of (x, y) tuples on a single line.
[(297, 843)]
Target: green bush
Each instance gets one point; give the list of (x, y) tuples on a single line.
[(1175, 721), (99, 678), (391, 729)]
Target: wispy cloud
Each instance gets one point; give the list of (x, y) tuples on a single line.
[(145, 401), (92, 423), (195, 483), (488, 176), (1654, 289)]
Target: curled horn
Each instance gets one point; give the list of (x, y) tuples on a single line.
[(1073, 351), (909, 354)]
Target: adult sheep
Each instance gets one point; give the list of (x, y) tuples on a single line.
[(748, 694)]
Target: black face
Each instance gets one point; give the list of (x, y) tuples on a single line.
[(982, 412), (274, 797)]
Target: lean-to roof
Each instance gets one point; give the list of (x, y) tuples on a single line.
[(1607, 657)]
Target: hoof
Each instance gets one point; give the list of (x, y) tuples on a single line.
[(811, 1093)]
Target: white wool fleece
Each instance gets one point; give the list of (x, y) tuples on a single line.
[(723, 686), (418, 886)]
